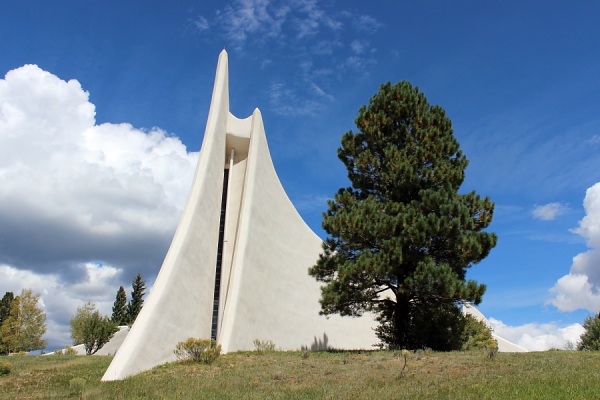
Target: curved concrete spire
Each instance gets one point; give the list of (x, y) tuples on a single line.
[(237, 266)]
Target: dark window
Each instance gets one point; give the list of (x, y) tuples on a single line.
[(215, 315)]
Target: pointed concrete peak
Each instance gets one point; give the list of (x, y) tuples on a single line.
[(222, 67), (223, 58)]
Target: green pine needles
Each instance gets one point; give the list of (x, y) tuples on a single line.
[(401, 239), (119, 310), (137, 299), (590, 339)]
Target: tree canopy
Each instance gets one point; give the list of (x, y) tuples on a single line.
[(5, 306), (590, 339), (119, 310), (25, 325), (401, 239), (137, 299), (91, 329)]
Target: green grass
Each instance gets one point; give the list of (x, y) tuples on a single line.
[(321, 375)]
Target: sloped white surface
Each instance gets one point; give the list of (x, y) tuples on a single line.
[(265, 290), (504, 345)]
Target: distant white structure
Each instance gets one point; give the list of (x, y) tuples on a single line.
[(109, 349), (237, 268), (504, 345)]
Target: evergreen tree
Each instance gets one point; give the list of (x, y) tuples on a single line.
[(25, 326), (401, 239), (137, 299), (5, 306), (590, 339), (119, 310), (91, 329), (9, 330)]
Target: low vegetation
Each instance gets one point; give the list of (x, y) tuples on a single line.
[(205, 351), (4, 368), (91, 329), (323, 375), (263, 346)]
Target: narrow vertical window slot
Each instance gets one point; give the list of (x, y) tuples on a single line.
[(215, 315)]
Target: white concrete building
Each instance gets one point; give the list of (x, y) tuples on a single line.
[(237, 268)]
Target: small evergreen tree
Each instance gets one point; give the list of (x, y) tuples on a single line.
[(119, 310), (5, 306), (91, 329), (590, 339), (137, 299)]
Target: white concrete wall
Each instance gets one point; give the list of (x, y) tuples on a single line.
[(266, 292), (272, 296), (180, 302)]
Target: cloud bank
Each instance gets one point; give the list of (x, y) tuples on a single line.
[(580, 289), (538, 337), (82, 206)]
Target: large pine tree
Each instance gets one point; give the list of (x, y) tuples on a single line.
[(119, 310), (401, 239), (137, 299)]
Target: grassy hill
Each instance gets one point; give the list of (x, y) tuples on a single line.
[(317, 375)]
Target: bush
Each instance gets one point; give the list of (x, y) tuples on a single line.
[(204, 351), (476, 334), (590, 339), (4, 368), (489, 347), (67, 351), (263, 346)]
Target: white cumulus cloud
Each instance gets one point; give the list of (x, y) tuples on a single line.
[(60, 298), (83, 206), (538, 337), (581, 287)]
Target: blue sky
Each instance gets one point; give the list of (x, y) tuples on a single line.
[(98, 142)]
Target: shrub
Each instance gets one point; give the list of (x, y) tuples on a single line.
[(476, 334), (4, 368), (489, 347), (590, 339), (570, 346), (204, 351), (263, 346), (76, 386), (69, 351)]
